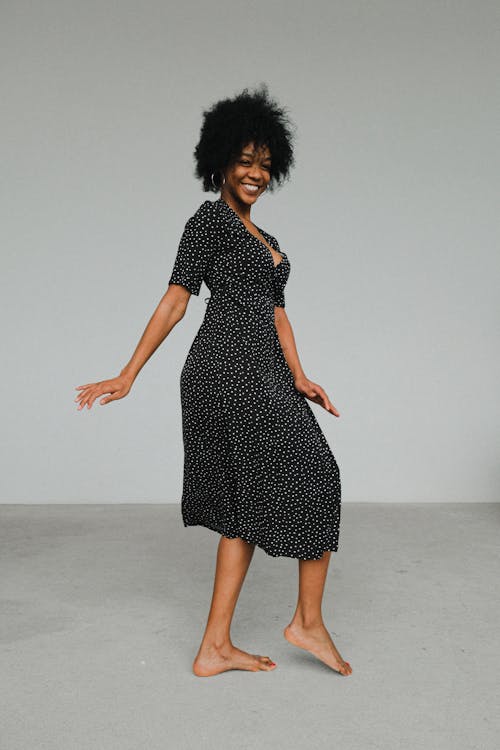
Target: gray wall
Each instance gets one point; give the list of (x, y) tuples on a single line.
[(390, 222)]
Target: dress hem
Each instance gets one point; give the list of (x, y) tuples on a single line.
[(254, 540)]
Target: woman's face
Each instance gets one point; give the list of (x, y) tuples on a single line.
[(252, 169)]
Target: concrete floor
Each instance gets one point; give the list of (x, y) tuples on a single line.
[(103, 608)]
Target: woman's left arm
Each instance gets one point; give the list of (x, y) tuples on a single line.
[(311, 390)]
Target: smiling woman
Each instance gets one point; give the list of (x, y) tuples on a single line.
[(230, 125), (258, 469)]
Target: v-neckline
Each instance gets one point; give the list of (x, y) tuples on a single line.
[(221, 200)]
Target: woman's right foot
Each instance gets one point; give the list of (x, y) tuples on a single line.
[(211, 660), (318, 641)]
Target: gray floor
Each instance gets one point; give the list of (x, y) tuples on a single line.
[(103, 608)]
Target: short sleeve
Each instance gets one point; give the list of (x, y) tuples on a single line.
[(279, 296), (195, 249)]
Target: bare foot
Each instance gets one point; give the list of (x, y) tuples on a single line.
[(317, 640), (211, 660)]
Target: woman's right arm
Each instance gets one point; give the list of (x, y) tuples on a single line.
[(169, 312), (191, 263)]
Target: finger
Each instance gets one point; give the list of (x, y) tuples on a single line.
[(83, 394), (93, 393), (98, 392), (325, 401), (328, 403), (87, 385), (110, 394), (110, 398), (321, 396), (324, 398)]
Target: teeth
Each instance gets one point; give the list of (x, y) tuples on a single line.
[(252, 188)]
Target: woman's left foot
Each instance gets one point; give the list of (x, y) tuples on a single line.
[(318, 641)]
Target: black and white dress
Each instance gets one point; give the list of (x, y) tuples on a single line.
[(256, 462)]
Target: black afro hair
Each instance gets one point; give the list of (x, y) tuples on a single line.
[(230, 124)]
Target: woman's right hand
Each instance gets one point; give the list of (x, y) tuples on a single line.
[(116, 388)]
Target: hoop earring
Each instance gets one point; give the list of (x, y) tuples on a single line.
[(213, 182)]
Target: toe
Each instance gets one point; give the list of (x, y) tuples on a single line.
[(267, 662)]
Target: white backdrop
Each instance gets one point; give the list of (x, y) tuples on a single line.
[(390, 222)]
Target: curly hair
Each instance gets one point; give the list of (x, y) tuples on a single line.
[(230, 124)]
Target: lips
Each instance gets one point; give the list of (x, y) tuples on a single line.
[(250, 189)]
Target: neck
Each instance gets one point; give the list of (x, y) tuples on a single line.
[(240, 208)]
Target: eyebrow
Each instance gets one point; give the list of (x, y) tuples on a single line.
[(247, 153)]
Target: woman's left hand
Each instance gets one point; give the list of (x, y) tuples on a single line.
[(315, 392)]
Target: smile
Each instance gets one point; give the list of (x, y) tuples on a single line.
[(250, 189)]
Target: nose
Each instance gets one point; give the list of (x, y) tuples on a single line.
[(254, 174)]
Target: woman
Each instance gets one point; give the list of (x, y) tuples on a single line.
[(257, 468)]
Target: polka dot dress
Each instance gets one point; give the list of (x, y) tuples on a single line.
[(256, 463)]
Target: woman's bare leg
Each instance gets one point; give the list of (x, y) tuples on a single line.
[(307, 629), (217, 653)]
